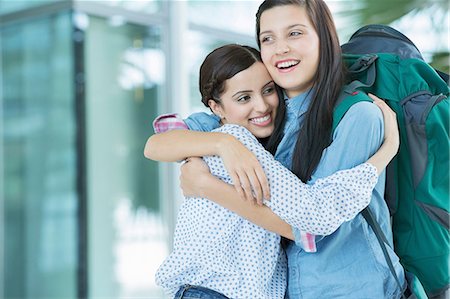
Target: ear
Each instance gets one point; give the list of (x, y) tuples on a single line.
[(216, 108)]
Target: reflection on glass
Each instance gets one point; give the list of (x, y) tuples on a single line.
[(141, 68), (204, 44), (217, 14), (140, 247), (145, 6), (40, 160), (8, 6), (125, 70)]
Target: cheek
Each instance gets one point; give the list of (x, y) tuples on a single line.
[(312, 49), (265, 56), (274, 101), (237, 115)]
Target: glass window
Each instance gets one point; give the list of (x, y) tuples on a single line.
[(8, 6), (204, 44), (125, 71), (144, 6), (39, 130), (217, 14)]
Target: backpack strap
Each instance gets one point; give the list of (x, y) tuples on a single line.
[(348, 97), (350, 93), (368, 215), (365, 63)]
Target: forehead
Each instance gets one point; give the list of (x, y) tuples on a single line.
[(255, 76), (280, 17)]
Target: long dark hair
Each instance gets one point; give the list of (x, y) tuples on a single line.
[(315, 133)]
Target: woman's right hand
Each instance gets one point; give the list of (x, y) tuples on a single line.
[(245, 171), (391, 131), (193, 174)]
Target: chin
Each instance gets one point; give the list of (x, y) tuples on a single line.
[(263, 133)]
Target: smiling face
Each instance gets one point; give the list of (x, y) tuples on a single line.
[(289, 47), (249, 100)]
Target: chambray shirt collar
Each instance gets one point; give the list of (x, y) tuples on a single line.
[(295, 110), (299, 104)]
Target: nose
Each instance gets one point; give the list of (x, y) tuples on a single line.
[(260, 104), (282, 47)]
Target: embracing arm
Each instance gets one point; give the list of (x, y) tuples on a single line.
[(391, 141), (175, 143), (318, 208), (197, 181)]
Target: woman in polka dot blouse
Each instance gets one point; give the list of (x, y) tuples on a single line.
[(218, 254)]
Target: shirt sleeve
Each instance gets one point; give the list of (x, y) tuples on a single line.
[(319, 208), (201, 121), (197, 122), (168, 122), (357, 137)]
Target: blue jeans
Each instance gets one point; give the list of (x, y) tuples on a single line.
[(196, 292)]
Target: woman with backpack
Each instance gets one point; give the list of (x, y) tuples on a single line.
[(300, 48), (218, 254)]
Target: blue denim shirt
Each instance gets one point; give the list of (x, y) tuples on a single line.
[(349, 263), (202, 121)]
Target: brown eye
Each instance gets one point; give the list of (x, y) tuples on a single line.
[(243, 99), (269, 90), (266, 39)]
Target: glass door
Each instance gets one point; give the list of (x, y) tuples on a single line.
[(125, 71), (39, 199)]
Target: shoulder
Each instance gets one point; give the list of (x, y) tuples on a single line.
[(363, 112), (202, 121), (364, 120), (237, 131)]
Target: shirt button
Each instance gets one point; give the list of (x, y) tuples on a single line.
[(294, 272)]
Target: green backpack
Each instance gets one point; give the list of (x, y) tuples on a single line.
[(417, 180)]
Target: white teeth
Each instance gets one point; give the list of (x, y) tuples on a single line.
[(259, 120), (286, 64)]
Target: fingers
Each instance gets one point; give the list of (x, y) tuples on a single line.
[(249, 186), (262, 178), (237, 185), (257, 188), (387, 111), (391, 131), (374, 97), (246, 186)]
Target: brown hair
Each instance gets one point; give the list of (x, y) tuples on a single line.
[(315, 133), (222, 64)]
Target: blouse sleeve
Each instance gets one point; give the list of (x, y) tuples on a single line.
[(362, 127), (197, 122), (319, 208), (168, 122)]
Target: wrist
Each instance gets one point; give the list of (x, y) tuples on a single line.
[(392, 146), (223, 142), (205, 182)]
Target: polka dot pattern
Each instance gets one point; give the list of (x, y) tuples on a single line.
[(217, 249)]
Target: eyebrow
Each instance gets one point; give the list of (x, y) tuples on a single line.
[(248, 91), (241, 91), (289, 27), (268, 83)]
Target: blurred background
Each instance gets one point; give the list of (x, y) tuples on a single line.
[(82, 213)]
